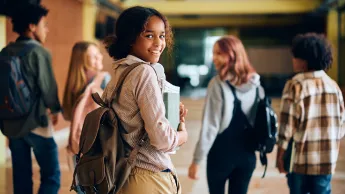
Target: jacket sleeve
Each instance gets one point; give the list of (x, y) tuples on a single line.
[(342, 113), (290, 114), (152, 110), (210, 122), (46, 79)]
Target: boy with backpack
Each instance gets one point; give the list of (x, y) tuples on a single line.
[(312, 117), (28, 89)]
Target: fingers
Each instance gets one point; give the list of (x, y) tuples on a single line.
[(54, 118), (193, 171), (183, 112), (280, 166)]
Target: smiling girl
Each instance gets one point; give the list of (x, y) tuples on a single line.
[(141, 36)]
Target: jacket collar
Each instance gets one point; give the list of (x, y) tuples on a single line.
[(309, 75), (129, 60)]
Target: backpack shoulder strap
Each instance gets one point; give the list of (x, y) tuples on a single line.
[(116, 91), (122, 78)]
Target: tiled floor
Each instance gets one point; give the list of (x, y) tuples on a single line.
[(273, 183)]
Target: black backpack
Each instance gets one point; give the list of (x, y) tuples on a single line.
[(263, 135), (265, 130), (16, 98)]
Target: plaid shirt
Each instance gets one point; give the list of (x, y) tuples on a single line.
[(312, 113)]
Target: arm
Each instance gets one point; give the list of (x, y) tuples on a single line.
[(290, 113), (150, 101), (211, 121), (342, 113), (46, 80)]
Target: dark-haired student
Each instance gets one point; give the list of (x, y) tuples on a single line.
[(34, 132), (312, 115), (141, 36)]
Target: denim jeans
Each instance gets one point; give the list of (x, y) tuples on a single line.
[(46, 153), (313, 184)]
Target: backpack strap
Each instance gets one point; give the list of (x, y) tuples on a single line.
[(115, 93), (122, 78)]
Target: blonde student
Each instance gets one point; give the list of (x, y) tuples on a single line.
[(85, 76), (230, 103), (141, 36)]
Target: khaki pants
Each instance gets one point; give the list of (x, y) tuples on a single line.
[(143, 181)]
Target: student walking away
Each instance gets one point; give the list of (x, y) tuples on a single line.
[(28, 90), (230, 107), (311, 118)]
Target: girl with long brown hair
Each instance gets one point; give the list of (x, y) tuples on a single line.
[(231, 100)]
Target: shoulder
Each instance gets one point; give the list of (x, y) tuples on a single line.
[(292, 89), (39, 50), (143, 71), (215, 82), (214, 87)]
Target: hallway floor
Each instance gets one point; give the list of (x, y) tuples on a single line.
[(273, 183)]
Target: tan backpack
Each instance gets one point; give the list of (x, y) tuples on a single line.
[(103, 161)]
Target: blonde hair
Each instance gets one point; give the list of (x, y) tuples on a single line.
[(238, 66), (76, 80)]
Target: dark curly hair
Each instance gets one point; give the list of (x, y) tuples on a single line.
[(128, 27), (27, 14), (313, 48)]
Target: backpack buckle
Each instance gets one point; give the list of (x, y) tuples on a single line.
[(95, 189)]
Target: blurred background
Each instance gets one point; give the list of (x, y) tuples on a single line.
[(266, 28)]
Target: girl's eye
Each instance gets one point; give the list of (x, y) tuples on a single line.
[(149, 36), (162, 36)]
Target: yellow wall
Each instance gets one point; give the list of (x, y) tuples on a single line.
[(89, 19), (2, 44), (228, 7), (2, 32), (332, 35), (3, 146), (213, 21)]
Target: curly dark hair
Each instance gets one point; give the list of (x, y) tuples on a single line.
[(313, 48), (128, 27), (27, 14)]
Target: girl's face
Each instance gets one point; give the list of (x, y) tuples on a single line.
[(219, 58), (94, 57), (150, 44)]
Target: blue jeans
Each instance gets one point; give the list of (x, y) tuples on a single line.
[(313, 184), (46, 153)]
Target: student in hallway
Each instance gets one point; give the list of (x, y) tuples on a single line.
[(231, 99), (141, 36), (312, 116), (85, 76), (35, 131)]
